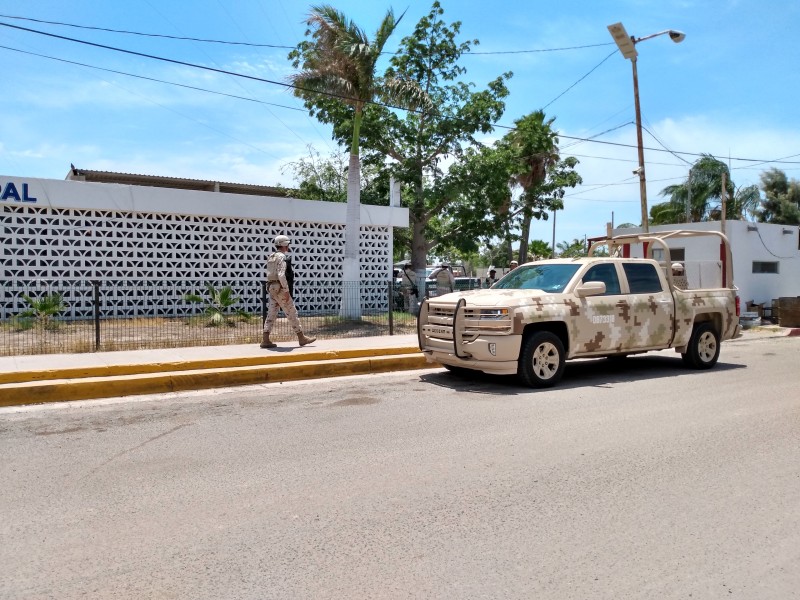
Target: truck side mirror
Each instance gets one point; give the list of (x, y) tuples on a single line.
[(590, 288)]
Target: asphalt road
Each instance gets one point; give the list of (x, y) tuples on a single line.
[(632, 480)]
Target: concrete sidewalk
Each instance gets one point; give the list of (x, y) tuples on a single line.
[(43, 378), (64, 377)]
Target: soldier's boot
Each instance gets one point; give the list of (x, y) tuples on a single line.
[(266, 342), (301, 337)]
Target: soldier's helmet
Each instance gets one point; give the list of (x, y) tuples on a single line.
[(281, 240)]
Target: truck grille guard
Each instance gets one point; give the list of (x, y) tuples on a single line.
[(458, 327)]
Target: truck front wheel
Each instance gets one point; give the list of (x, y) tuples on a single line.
[(541, 362), (703, 349)]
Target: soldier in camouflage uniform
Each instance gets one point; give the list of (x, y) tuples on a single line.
[(445, 280), (280, 296)]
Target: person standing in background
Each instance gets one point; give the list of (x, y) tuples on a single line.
[(445, 280), (408, 282), (491, 279)]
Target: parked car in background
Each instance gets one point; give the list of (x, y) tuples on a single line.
[(467, 283)]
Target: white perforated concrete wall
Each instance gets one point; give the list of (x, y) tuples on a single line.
[(148, 246)]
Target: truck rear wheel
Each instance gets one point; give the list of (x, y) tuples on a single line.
[(541, 362), (703, 349)]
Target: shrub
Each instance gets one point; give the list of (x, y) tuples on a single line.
[(219, 308)]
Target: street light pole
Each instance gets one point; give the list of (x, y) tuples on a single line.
[(627, 46), (640, 144)]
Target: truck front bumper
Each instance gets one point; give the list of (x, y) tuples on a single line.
[(496, 354)]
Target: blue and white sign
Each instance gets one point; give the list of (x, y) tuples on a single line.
[(12, 192)]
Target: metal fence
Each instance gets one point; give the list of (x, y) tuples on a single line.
[(44, 317)]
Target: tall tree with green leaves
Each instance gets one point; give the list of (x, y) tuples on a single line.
[(572, 249), (781, 203), (534, 147), (477, 197), (419, 141), (548, 196), (482, 206), (540, 249), (705, 179), (325, 178), (339, 63)]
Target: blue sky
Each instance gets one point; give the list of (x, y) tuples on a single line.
[(730, 89)]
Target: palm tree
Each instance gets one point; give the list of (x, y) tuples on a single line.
[(220, 306), (43, 310), (535, 146), (746, 202), (571, 249), (705, 179), (340, 61)]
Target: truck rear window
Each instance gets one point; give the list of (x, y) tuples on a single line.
[(642, 278)]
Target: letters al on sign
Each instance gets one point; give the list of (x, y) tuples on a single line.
[(10, 192)]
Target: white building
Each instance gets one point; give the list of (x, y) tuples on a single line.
[(766, 257), (134, 236)]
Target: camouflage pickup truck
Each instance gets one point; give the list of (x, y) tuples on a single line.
[(543, 313)]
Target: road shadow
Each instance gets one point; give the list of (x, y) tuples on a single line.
[(592, 372)]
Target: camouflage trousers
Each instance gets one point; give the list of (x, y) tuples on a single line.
[(280, 298)]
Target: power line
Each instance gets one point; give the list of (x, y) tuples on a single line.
[(196, 66), (756, 160), (602, 201), (626, 182), (663, 145), (238, 82), (543, 49), (153, 35), (191, 87), (628, 160), (596, 135), (260, 45), (340, 97), (581, 79)]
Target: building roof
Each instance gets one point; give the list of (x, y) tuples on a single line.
[(180, 183)]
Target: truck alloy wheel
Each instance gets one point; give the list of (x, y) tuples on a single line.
[(703, 350), (541, 362)]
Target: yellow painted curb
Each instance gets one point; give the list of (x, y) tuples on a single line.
[(269, 358), (66, 390)]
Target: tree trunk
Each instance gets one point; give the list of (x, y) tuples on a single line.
[(351, 268), (526, 234)]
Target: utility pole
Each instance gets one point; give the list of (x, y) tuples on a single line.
[(689, 197), (724, 200), (640, 144), (627, 46)]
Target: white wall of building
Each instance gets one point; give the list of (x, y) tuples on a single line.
[(750, 243), (59, 230)]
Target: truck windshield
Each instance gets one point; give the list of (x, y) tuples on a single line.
[(548, 278)]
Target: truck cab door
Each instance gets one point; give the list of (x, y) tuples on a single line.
[(652, 308), (597, 325)]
